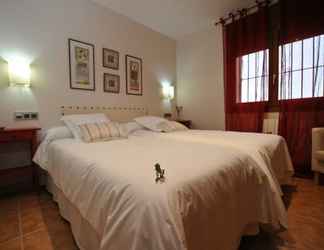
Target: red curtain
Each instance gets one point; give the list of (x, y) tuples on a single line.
[(246, 35), (295, 125), (299, 20)]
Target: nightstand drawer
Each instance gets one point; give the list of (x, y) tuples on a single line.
[(16, 136), (18, 178)]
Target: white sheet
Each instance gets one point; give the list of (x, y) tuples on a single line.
[(210, 196)]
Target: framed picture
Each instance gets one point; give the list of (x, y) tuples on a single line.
[(111, 83), (82, 65), (110, 58), (134, 76)]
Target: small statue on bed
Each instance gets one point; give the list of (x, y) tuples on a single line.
[(159, 173)]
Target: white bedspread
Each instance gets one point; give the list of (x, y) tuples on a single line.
[(269, 151), (211, 193)]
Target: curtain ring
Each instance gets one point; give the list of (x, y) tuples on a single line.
[(222, 21), (232, 16)]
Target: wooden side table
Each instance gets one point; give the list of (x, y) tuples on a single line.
[(187, 123), (10, 178)]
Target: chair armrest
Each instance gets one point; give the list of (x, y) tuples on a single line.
[(317, 139)]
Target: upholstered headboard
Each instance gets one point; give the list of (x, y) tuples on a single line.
[(115, 113)]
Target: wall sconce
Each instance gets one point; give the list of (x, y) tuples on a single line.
[(168, 92), (19, 73)]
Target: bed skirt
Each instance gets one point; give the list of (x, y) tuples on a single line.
[(84, 234)]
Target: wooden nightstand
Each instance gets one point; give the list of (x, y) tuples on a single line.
[(12, 178), (187, 123)]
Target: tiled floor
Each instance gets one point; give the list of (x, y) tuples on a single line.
[(32, 222)]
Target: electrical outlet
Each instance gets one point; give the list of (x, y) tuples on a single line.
[(34, 115), (19, 116), (26, 116)]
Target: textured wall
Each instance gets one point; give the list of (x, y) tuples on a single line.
[(39, 30), (200, 78)]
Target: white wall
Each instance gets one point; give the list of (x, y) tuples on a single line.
[(200, 78), (39, 30)]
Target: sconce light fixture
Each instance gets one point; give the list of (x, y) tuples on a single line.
[(168, 92), (19, 73)]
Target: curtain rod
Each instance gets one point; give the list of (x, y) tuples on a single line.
[(243, 12)]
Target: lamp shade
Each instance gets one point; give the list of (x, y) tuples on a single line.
[(19, 73), (168, 92)]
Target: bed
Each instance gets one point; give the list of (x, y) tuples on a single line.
[(212, 194)]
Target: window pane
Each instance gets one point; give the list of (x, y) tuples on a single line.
[(297, 55), (244, 91), (259, 63), (308, 83), (279, 87), (279, 60), (262, 63), (286, 58), (319, 51), (296, 84), (252, 65), (253, 87), (319, 81), (266, 54), (252, 90), (244, 67), (283, 87), (266, 88), (308, 53), (261, 89)]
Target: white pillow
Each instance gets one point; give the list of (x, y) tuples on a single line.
[(74, 121), (131, 127), (52, 134), (150, 122), (171, 126), (57, 133)]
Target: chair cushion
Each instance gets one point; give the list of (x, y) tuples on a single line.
[(320, 155)]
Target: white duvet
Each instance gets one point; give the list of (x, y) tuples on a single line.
[(211, 194), (269, 151)]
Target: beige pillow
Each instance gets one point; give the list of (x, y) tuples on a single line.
[(170, 126), (102, 131)]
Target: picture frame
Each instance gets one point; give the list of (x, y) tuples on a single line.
[(110, 59), (111, 83), (82, 65), (134, 75)]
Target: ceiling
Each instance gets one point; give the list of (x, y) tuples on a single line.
[(175, 18)]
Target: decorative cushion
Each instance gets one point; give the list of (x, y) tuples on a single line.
[(102, 131), (73, 122), (320, 155)]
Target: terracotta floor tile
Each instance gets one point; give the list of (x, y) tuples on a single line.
[(32, 221), (9, 226), (38, 241), (63, 239), (11, 245), (29, 202), (46, 201), (8, 204)]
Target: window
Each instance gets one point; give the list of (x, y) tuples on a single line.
[(254, 77), (301, 69)]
